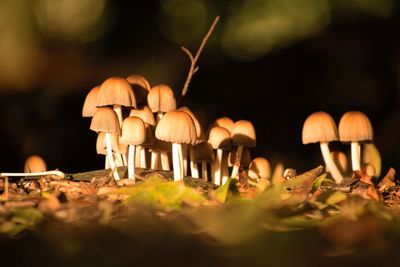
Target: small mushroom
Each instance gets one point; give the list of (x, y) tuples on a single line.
[(220, 139), (340, 160), (90, 104), (35, 163), (140, 87), (259, 169), (243, 135)]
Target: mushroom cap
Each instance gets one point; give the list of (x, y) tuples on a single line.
[(340, 160), (243, 134), (259, 168), (105, 120), (140, 87), (90, 104), (244, 161), (161, 98), (116, 91), (319, 127), (219, 138), (133, 131), (201, 137), (176, 127), (203, 152), (355, 126), (224, 122), (35, 163), (116, 146), (143, 112)]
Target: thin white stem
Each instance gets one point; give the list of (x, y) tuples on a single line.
[(184, 158), (164, 161), (131, 162), (143, 163), (204, 170), (218, 167), (238, 158), (181, 171), (176, 161), (107, 163), (137, 156), (110, 156), (118, 110), (154, 160), (194, 170), (224, 168), (18, 174), (337, 176), (355, 156)]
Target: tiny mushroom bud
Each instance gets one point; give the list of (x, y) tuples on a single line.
[(320, 127), (243, 135), (355, 127), (35, 163)]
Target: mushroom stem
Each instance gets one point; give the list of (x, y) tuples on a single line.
[(118, 110), (355, 156), (204, 170), (131, 162), (337, 176), (110, 156), (238, 158), (154, 160), (164, 161), (121, 158), (143, 163), (176, 162), (224, 168), (17, 174), (137, 156), (107, 163), (218, 167), (194, 170), (184, 158)]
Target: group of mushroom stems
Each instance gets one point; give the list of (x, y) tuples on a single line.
[(354, 128), (136, 122)]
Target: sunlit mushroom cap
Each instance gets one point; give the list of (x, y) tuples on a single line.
[(355, 126), (243, 134), (201, 137), (161, 98), (144, 112), (133, 131), (203, 152), (176, 127), (319, 127), (105, 120), (224, 122), (140, 87), (219, 138), (116, 91), (90, 104), (259, 168), (35, 163), (244, 161)]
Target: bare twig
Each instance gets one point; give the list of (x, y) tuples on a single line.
[(193, 60)]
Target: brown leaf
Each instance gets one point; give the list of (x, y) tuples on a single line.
[(388, 180)]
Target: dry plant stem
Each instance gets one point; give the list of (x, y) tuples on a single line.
[(337, 176), (110, 156), (204, 171), (164, 161), (194, 170), (355, 156), (154, 160), (218, 167), (193, 60), (176, 161), (238, 158), (18, 174), (131, 162), (184, 158)]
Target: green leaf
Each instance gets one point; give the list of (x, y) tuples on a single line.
[(318, 182), (221, 193)]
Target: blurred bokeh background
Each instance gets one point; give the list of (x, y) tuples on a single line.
[(269, 61)]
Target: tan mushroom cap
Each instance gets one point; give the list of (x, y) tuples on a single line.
[(116, 146), (116, 91), (176, 127), (140, 87), (259, 168), (35, 163), (319, 127), (219, 138), (201, 137), (243, 134), (144, 112), (90, 104), (224, 122), (355, 126), (161, 98), (133, 131), (244, 161), (105, 120), (136, 79), (203, 152)]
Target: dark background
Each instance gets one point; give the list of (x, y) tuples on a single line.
[(348, 62)]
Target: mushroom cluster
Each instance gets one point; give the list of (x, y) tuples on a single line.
[(354, 127), (137, 124)]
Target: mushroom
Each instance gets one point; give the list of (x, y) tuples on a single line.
[(133, 133), (340, 160), (220, 139), (140, 87), (259, 169), (178, 128), (116, 146), (106, 120), (224, 122), (320, 127), (203, 154), (35, 163), (243, 135), (355, 127), (90, 104)]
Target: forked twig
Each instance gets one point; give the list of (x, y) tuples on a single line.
[(193, 60)]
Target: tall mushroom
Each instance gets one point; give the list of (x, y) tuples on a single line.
[(243, 135), (259, 169), (320, 128), (106, 120), (35, 163), (355, 127), (220, 139), (133, 134), (178, 128)]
